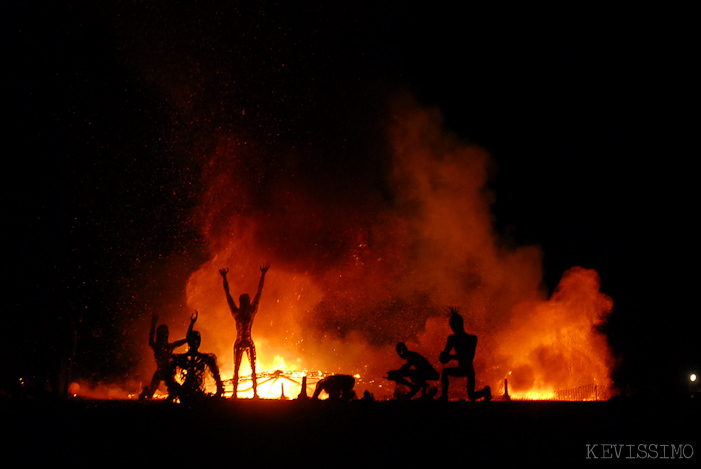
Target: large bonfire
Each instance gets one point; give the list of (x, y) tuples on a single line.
[(352, 276)]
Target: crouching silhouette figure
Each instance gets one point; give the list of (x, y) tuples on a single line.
[(414, 373), (191, 368), (338, 387)]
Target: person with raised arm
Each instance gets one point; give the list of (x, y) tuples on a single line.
[(244, 314), (191, 368), (163, 353)]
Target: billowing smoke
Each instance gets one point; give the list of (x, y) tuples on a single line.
[(359, 266)]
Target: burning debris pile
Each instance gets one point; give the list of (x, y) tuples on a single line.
[(353, 275), (357, 269)]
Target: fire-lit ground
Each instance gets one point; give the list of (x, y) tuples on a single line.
[(284, 384), (264, 433)]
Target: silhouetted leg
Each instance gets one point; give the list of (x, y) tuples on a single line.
[(473, 395), (416, 382), (485, 393), (169, 379), (471, 384), (150, 390), (422, 387), (413, 390), (399, 378), (424, 378), (445, 382), (252, 360), (174, 391), (238, 354), (445, 379)]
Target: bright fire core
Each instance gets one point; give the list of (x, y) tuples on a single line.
[(351, 275)]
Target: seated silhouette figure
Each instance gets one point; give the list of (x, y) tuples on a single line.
[(338, 387), (163, 353), (414, 373), (463, 345), (191, 368)]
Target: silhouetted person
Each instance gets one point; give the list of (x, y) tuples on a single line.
[(163, 352), (414, 373), (243, 315), (464, 346), (338, 387), (192, 367)]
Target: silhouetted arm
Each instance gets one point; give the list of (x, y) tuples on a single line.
[(193, 319), (152, 332), (319, 387), (229, 299), (263, 271), (446, 356), (181, 342), (178, 343)]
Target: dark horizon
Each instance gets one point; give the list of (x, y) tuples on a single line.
[(583, 111)]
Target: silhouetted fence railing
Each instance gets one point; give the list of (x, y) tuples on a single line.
[(590, 392), (581, 393)]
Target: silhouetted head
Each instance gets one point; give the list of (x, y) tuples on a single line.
[(456, 322), (244, 300), (162, 334), (401, 349), (193, 340)]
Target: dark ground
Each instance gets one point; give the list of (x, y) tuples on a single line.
[(356, 434)]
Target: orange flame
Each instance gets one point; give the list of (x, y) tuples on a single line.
[(353, 273)]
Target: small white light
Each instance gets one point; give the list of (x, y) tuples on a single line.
[(692, 377)]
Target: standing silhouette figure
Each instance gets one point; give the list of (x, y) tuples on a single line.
[(464, 346), (244, 315)]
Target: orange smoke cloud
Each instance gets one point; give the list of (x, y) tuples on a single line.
[(355, 271)]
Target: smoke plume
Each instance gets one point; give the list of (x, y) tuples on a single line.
[(358, 266)]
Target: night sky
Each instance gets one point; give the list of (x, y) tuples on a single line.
[(588, 112)]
